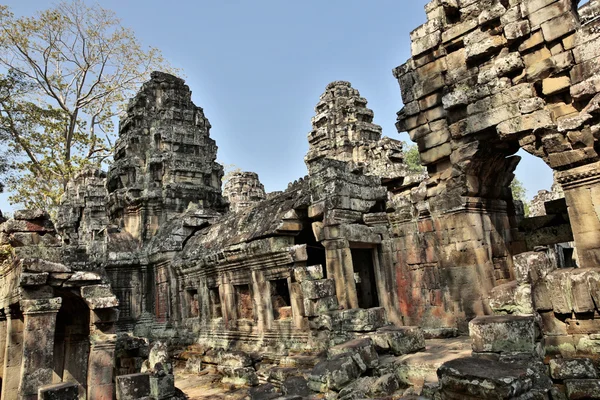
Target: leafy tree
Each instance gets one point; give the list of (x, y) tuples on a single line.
[(412, 158), (70, 70), (520, 193)]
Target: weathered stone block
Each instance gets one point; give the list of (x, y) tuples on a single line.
[(580, 389), (361, 320), (61, 391), (318, 289), (309, 273), (362, 350), (239, 375), (399, 340), (235, 359), (334, 373), (316, 307), (132, 387), (481, 378), (579, 368), (499, 334)]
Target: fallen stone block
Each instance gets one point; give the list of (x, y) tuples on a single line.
[(362, 350), (295, 386), (235, 359), (264, 392), (162, 386), (399, 340), (61, 391), (334, 373), (361, 320), (579, 368), (239, 376), (480, 378), (504, 333), (131, 387), (579, 389)]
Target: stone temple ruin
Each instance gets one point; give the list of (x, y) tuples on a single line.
[(362, 279)]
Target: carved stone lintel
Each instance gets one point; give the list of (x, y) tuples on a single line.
[(41, 306), (579, 176)]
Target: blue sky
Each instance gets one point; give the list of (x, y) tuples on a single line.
[(258, 67)]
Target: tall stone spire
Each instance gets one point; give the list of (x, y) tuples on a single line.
[(343, 127), (164, 158), (243, 190)]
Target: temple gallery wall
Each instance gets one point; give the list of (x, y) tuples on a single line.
[(363, 278)]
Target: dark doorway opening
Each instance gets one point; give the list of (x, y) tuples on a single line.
[(364, 277), (215, 302), (314, 250), (280, 299), (72, 341), (243, 302)]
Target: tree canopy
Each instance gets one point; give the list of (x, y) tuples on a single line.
[(68, 73)]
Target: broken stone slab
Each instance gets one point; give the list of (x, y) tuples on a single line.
[(580, 389), (578, 368), (60, 391), (132, 387), (239, 376), (482, 379), (399, 340), (335, 373), (503, 333), (362, 350)]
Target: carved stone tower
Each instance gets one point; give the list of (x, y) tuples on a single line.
[(164, 159)]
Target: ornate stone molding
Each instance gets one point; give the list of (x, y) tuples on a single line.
[(41, 306), (579, 176)]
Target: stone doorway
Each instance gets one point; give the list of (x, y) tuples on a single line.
[(72, 342), (280, 299), (364, 277)]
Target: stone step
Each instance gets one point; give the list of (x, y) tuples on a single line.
[(503, 333)]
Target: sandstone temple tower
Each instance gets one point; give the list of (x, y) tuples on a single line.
[(164, 159)]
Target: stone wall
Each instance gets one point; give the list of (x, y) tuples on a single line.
[(489, 77)]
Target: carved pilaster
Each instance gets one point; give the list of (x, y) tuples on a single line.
[(581, 186)]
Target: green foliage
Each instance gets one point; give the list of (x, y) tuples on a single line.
[(70, 70), (520, 193), (412, 158)]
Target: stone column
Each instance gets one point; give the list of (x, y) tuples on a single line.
[(3, 334), (341, 270), (101, 366), (37, 365), (261, 290), (582, 192)]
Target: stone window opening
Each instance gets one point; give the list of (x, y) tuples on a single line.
[(280, 299), (363, 261), (193, 303), (243, 302), (214, 301)]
